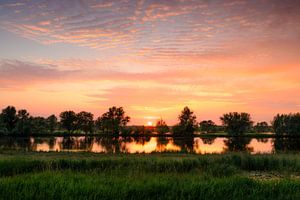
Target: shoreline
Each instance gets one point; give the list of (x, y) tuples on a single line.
[(208, 135)]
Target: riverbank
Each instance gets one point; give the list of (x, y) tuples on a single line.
[(31, 175)]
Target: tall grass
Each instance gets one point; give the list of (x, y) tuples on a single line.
[(25, 175), (93, 185), (219, 165)]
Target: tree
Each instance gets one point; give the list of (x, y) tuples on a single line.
[(236, 123), (99, 124), (279, 124), (261, 127), (3, 129), (288, 124), (187, 123), (38, 125), (9, 118), (207, 126), (294, 124), (85, 121), (68, 120), (113, 120), (51, 123), (162, 127), (23, 125)]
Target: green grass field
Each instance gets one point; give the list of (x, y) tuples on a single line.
[(25, 175)]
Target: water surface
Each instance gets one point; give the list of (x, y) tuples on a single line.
[(151, 144)]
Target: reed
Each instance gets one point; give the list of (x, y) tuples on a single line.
[(18, 163), (94, 185)]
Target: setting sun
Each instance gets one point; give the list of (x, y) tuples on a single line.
[(149, 123)]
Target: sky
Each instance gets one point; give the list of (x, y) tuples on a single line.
[(152, 57)]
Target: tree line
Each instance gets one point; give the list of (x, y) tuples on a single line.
[(115, 121)]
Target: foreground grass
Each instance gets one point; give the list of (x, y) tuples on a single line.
[(69, 185), (155, 176)]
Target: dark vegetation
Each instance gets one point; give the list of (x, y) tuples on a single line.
[(156, 176), (18, 162), (162, 127), (187, 123), (112, 121), (208, 126), (287, 124), (115, 120), (236, 123)]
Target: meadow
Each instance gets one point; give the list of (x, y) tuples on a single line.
[(66, 175)]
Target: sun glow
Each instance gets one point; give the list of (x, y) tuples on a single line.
[(149, 123)]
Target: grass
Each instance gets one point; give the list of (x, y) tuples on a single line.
[(67, 185), (33, 175)]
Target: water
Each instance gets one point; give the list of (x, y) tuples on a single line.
[(151, 144)]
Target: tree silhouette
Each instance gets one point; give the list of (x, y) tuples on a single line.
[(236, 123), (261, 127), (187, 123), (113, 120), (52, 123), (85, 121), (3, 129), (68, 120), (38, 125), (101, 124), (279, 124), (23, 123), (287, 124), (162, 127), (207, 126), (9, 118)]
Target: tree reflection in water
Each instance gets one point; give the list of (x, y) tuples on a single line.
[(76, 143), (141, 140), (209, 140), (237, 144), (162, 141), (263, 140), (186, 144), (15, 143), (108, 144), (150, 144), (286, 144)]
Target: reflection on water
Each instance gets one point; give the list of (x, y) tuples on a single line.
[(151, 144)]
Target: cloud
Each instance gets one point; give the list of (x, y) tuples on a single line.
[(19, 73), (123, 25)]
